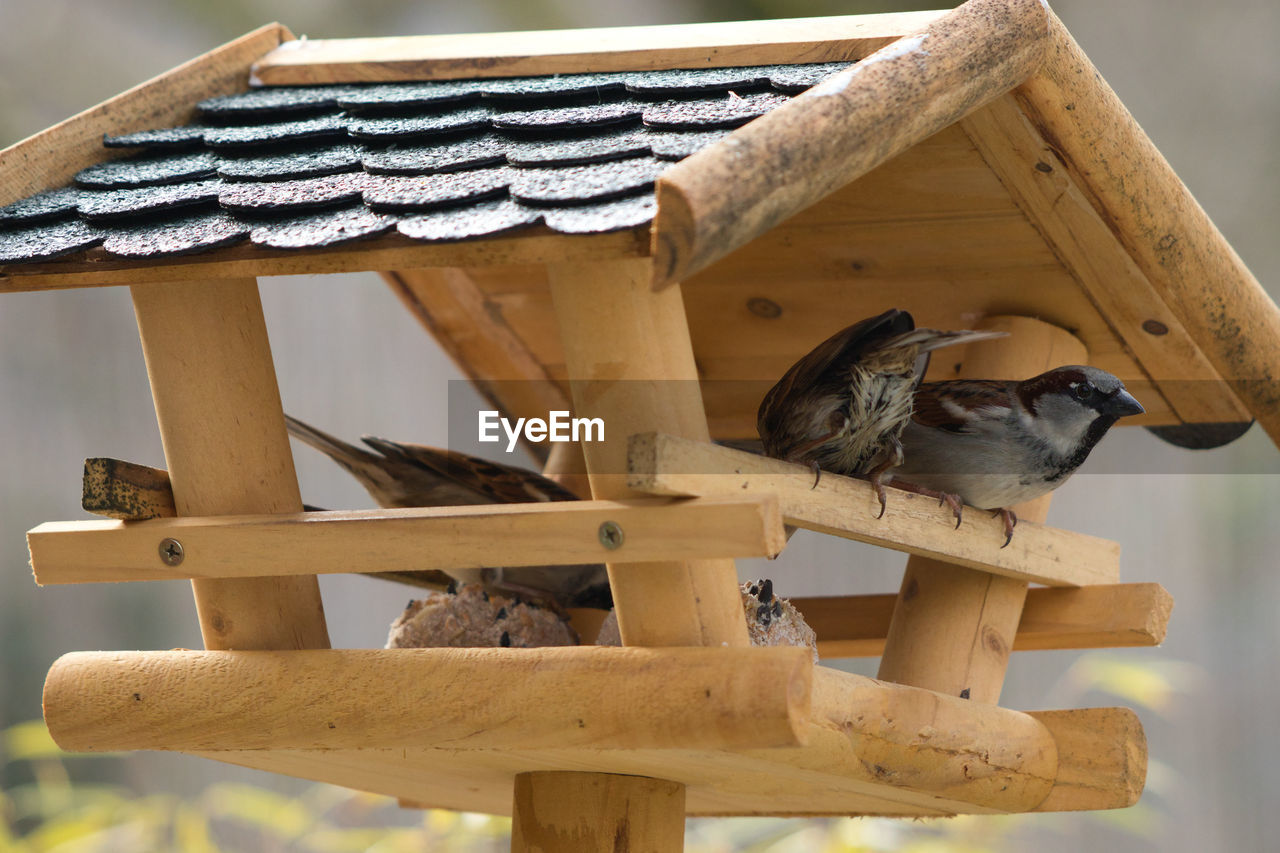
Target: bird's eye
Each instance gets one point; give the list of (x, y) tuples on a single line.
[(1082, 390)]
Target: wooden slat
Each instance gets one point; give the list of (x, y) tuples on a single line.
[(842, 506), (727, 43), (857, 737), (1187, 260), (1038, 178), (50, 158), (548, 698), (393, 252), (217, 404), (1091, 617), (391, 540), (708, 205), (631, 364)]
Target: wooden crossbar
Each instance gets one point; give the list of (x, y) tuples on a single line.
[(665, 465), (388, 540)]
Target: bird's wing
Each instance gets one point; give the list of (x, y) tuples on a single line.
[(491, 481)]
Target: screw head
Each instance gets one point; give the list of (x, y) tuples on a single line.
[(171, 552), (611, 536)]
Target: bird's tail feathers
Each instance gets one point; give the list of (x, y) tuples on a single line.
[(932, 339)]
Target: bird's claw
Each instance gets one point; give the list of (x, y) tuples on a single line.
[(953, 501), (1010, 521), (817, 474)]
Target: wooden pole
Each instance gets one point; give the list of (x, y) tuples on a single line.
[(953, 628), (218, 407), (630, 814)]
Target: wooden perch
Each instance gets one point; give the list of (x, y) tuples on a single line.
[(664, 465), (1091, 617), (724, 43), (728, 194), (125, 490), (381, 540)]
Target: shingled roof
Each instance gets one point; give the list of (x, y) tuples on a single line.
[(957, 164), (293, 167)]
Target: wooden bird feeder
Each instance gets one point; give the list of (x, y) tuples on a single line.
[(969, 165)]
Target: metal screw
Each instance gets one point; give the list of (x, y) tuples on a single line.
[(171, 552), (611, 535)]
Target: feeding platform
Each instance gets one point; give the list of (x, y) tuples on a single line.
[(648, 226)]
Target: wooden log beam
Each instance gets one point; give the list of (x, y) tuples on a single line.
[(842, 506), (1091, 617), (772, 721), (401, 540), (1037, 177), (218, 407), (50, 158), (709, 204), (630, 363), (549, 698), (1102, 759), (724, 43), (631, 813), (1170, 237), (953, 628)]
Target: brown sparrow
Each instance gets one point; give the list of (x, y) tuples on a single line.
[(412, 475), (843, 406), (994, 444)]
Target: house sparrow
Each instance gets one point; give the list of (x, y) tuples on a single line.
[(843, 406), (413, 475), (995, 444)]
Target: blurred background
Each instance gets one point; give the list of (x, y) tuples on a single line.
[(1202, 80)]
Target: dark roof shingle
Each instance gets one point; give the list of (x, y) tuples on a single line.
[(309, 166)]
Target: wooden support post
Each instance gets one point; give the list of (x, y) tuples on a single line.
[(630, 363), (630, 813), (953, 628), (218, 406)]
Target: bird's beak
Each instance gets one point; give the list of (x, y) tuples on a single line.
[(1122, 404)]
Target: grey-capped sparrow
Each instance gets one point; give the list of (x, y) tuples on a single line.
[(994, 444), (413, 475), (842, 407)]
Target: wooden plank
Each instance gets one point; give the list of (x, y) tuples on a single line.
[(218, 407), (1102, 759), (400, 540), (1169, 236), (1090, 617), (845, 507), (1039, 179), (857, 736), (708, 205), (631, 363), (50, 158), (726, 43), (627, 813), (469, 699), (952, 628), (393, 252)]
